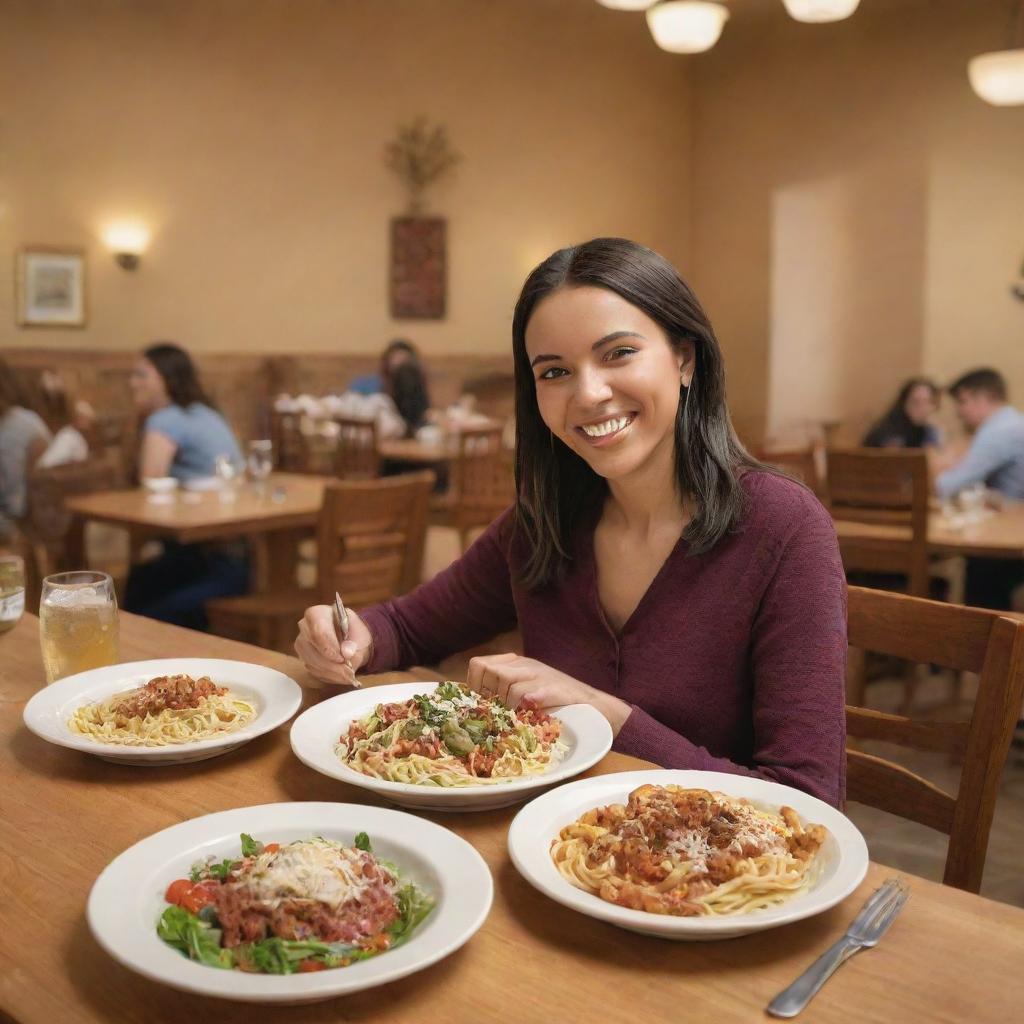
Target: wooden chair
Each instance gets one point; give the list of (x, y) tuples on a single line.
[(356, 456), (797, 462), (882, 487), (46, 523), (370, 538), (289, 444), (965, 639), (886, 488), (482, 483)]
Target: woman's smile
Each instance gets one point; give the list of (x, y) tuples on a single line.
[(608, 430)]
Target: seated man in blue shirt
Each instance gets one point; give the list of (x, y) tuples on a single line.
[(995, 459)]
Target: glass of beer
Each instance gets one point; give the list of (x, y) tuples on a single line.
[(12, 591), (77, 623)]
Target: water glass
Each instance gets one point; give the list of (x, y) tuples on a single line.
[(261, 463), (226, 471), (12, 591), (77, 623)]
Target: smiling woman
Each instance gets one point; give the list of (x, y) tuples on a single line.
[(655, 570)]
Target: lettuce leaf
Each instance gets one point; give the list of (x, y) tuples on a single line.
[(193, 937)]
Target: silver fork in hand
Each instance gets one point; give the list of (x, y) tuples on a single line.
[(867, 928)]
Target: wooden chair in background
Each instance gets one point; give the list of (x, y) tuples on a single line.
[(801, 463), (356, 456), (370, 538), (965, 639), (482, 483), (290, 452), (45, 529), (877, 487)]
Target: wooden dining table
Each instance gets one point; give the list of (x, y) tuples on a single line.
[(950, 956), (273, 519), (998, 533)]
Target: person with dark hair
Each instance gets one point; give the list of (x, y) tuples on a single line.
[(906, 424), (182, 436), (24, 437), (995, 460), (183, 432), (655, 569)]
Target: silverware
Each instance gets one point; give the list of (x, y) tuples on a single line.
[(341, 625), (867, 928), (340, 618)]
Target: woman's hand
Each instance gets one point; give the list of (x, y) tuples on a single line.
[(518, 680), (323, 655)]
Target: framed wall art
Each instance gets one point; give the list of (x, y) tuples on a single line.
[(50, 286)]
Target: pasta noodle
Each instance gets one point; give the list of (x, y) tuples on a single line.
[(452, 737), (688, 852), (167, 710)]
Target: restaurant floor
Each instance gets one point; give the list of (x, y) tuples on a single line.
[(915, 848)]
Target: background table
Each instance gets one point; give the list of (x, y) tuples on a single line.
[(1000, 535), (949, 957), (273, 526)]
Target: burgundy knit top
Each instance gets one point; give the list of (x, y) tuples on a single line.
[(734, 660)]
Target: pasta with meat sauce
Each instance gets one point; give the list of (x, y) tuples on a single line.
[(688, 852), (166, 710)]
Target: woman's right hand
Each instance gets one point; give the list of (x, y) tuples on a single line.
[(324, 656)]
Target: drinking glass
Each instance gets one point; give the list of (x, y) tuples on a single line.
[(227, 472), (77, 623), (261, 463), (12, 591)]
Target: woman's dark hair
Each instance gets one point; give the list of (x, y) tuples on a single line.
[(178, 371), (396, 345), (554, 485), (409, 393), (896, 427)]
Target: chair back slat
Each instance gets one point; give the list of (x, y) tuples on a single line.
[(942, 737), (926, 632), (883, 487), (955, 637), (356, 456), (370, 537), (891, 787)]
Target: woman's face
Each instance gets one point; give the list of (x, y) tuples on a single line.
[(607, 379), (149, 392), (920, 404)]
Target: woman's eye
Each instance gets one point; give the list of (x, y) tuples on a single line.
[(551, 374), (620, 351)]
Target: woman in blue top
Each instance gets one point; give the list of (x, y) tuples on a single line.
[(183, 432), (182, 436)]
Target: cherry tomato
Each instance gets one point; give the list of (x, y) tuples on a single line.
[(176, 890), (198, 897), (308, 966)]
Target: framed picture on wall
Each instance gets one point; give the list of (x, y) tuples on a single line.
[(50, 286)]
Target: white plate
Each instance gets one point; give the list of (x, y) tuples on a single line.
[(316, 732), (276, 696), (127, 900), (841, 863)]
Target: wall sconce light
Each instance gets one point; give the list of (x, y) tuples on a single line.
[(127, 242)]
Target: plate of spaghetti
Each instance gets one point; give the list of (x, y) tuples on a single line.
[(444, 747), (170, 711), (290, 902), (688, 854)]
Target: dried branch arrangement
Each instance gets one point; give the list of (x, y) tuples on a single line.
[(419, 155)]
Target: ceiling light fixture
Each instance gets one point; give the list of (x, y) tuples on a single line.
[(816, 11), (686, 26)]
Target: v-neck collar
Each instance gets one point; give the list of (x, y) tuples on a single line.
[(589, 566)]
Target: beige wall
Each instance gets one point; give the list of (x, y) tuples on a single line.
[(248, 134), (857, 210)]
